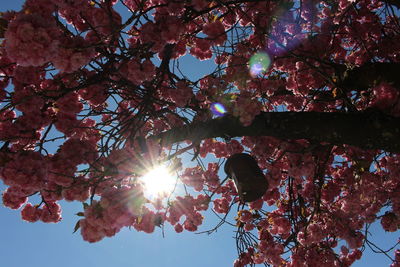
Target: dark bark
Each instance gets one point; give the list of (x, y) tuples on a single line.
[(366, 130), (395, 3), (355, 79), (369, 75)]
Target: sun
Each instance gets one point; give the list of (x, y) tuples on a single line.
[(159, 181)]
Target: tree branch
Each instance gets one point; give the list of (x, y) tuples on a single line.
[(369, 74), (395, 3), (366, 130)]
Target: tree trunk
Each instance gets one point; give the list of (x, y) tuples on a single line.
[(366, 130)]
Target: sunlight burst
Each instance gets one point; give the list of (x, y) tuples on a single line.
[(159, 181)]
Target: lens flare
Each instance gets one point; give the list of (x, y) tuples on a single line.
[(218, 109), (259, 64)]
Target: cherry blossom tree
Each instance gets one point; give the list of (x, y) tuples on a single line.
[(311, 89)]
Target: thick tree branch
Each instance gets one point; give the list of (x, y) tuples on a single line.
[(366, 130), (395, 3), (369, 75), (356, 79)]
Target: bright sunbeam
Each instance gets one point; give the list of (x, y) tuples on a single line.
[(158, 181)]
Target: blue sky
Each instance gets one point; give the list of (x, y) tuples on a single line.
[(49, 245)]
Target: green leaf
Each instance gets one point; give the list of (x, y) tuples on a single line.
[(80, 214), (77, 226)]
